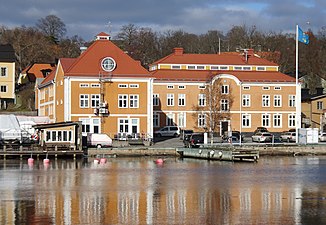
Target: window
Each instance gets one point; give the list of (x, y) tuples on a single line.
[(133, 101), (182, 87), (225, 89), (200, 67), (95, 85), (170, 87), (170, 99), (266, 88), (191, 67), (96, 126), (246, 120), (83, 85), (265, 120), (181, 99), (181, 120), (123, 126), (214, 67), (108, 64), (224, 105), (246, 100), (277, 118), (134, 85), (128, 126), (123, 85), (266, 101), (176, 67), (319, 105), (156, 119), (261, 68), (156, 99), (277, 88), (246, 68), (3, 88), (201, 120), (202, 100), (86, 125), (224, 67), (3, 72), (291, 100), (237, 68), (95, 101), (170, 119), (277, 101), (123, 101), (246, 87), (201, 87), (84, 101), (291, 120)]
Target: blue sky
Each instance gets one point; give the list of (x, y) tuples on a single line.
[(86, 18)]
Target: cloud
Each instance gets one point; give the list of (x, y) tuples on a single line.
[(87, 18)]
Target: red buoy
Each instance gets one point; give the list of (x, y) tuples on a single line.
[(159, 161)]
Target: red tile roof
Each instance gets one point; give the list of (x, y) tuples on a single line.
[(204, 75), (35, 70), (178, 57)]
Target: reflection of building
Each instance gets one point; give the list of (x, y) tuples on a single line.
[(253, 92), (104, 88), (7, 75), (313, 109)]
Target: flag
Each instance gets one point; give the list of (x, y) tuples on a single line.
[(303, 37)]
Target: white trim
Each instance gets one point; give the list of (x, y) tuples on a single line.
[(47, 103), (150, 92), (129, 115)]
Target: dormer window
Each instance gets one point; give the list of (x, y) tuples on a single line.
[(108, 64)]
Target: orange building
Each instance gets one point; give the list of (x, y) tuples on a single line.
[(253, 92), (104, 88)]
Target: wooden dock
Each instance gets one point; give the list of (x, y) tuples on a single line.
[(223, 154), (39, 152)]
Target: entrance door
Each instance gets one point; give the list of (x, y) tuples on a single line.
[(224, 128)]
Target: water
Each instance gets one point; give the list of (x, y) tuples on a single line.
[(276, 190)]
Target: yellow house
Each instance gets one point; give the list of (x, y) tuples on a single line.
[(104, 88), (252, 92), (7, 75)]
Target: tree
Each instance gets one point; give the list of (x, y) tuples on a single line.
[(218, 100), (52, 26)]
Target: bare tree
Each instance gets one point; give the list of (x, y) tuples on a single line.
[(52, 26)]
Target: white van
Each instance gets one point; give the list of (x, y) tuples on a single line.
[(168, 131), (99, 140)]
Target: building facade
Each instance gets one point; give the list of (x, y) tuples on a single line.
[(7, 75), (104, 88), (251, 93)]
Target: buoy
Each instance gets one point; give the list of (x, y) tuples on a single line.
[(30, 160), (46, 161), (96, 161), (103, 160), (159, 161)]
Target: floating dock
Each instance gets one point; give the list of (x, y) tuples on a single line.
[(225, 154)]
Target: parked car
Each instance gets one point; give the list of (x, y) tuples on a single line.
[(237, 135), (184, 133), (260, 129), (98, 140), (168, 131), (322, 137), (262, 137), (194, 140), (288, 137)]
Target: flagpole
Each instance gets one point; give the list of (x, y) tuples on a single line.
[(297, 90)]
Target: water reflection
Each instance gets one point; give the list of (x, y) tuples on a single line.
[(138, 191)]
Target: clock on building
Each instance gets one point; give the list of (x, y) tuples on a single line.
[(108, 64)]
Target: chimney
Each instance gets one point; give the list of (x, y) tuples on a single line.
[(320, 90), (178, 51), (82, 49)]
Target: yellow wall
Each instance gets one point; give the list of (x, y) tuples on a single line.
[(8, 81)]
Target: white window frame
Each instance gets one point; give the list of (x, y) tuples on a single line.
[(291, 100), (122, 85), (181, 87), (170, 86), (182, 119), (95, 85), (170, 99), (291, 120), (201, 100), (170, 121), (266, 120), (133, 85), (246, 120), (225, 89), (277, 120), (246, 88), (134, 101), (83, 101), (3, 71), (224, 105), (123, 101), (84, 85), (265, 88), (3, 88), (277, 88), (320, 105), (181, 99), (277, 100), (266, 100), (95, 100), (156, 99), (246, 100), (201, 120)]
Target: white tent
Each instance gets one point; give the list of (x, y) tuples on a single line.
[(10, 130)]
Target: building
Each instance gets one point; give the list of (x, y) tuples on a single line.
[(34, 71), (7, 75), (313, 109), (104, 88), (252, 92)]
